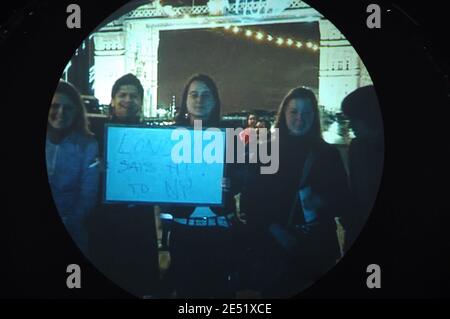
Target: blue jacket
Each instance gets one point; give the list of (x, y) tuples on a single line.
[(73, 173)]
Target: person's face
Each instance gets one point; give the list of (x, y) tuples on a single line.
[(127, 102), (62, 112), (299, 116), (251, 122), (200, 100)]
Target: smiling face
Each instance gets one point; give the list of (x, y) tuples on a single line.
[(200, 101), (62, 112), (127, 102), (299, 116)]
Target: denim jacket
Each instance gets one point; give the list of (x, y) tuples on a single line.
[(73, 173)]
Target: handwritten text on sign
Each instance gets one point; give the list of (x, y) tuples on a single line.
[(140, 168)]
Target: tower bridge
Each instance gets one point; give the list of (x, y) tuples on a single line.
[(130, 44)]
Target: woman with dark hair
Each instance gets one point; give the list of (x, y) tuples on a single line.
[(200, 101), (252, 119), (293, 212), (200, 237), (72, 164)]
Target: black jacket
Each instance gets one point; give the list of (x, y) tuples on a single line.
[(310, 188)]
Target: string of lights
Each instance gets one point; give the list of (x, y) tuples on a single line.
[(270, 38)]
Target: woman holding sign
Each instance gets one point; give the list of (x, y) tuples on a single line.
[(200, 237), (72, 164)]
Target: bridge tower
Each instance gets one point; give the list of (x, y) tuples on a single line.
[(341, 70), (130, 44)]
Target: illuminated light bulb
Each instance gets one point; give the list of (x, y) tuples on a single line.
[(298, 44), (289, 41), (309, 44), (280, 41), (269, 37), (227, 27), (259, 36), (236, 29), (248, 33), (315, 47)]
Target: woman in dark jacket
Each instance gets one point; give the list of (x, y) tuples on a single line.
[(291, 214), (200, 237)]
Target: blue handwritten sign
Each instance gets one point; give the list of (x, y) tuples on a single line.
[(143, 165)]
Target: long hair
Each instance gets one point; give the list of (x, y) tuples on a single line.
[(315, 132), (183, 116), (248, 116), (80, 122)]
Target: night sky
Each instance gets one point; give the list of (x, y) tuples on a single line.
[(249, 74)]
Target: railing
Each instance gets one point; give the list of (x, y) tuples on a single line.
[(242, 7)]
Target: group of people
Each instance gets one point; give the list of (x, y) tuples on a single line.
[(288, 237)]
